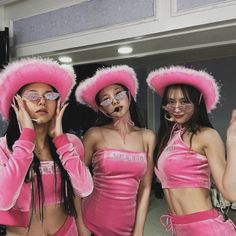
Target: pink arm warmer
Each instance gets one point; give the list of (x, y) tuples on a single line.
[(14, 166), (71, 151)]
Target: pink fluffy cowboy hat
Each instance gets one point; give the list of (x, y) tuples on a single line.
[(159, 79), (33, 70), (87, 90)]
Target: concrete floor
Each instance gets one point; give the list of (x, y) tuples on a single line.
[(157, 208)]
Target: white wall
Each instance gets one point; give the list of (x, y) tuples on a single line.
[(169, 18), (26, 8), (2, 18)]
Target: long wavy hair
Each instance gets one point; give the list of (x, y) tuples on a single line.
[(133, 109), (199, 118), (67, 192)]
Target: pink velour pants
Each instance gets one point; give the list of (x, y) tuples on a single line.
[(207, 223)]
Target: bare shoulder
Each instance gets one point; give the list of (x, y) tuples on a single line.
[(149, 136), (207, 132), (209, 135), (90, 140), (93, 133)]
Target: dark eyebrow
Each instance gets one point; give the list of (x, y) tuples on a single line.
[(104, 95), (114, 91), (185, 99), (118, 88), (32, 90)]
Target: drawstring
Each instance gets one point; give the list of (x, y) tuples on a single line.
[(167, 221), (232, 223), (176, 127), (226, 218), (126, 122), (123, 120)]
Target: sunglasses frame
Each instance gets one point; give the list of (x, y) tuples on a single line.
[(39, 97), (117, 97)]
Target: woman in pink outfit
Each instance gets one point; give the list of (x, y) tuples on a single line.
[(189, 151), (230, 176), (121, 154), (41, 170)]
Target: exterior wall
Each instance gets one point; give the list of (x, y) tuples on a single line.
[(160, 26), (86, 16), (47, 26), (183, 5), (1, 18)]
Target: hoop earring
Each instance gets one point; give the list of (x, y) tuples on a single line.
[(168, 118)]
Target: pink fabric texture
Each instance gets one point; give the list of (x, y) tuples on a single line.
[(111, 208), (70, 158), (207, 223), (34, 70), (51, 185), (15, 194), (180, 167), (68, 229), (13, 169), (88, 89), (158, 80)]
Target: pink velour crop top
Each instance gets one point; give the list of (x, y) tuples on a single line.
[(180, 167), (15, 194), (51, 181)]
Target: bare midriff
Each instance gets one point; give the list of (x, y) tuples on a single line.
[(54, 218), (184, 201)]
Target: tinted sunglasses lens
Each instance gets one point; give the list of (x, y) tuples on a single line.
[(106, 102), (31, 96), (51, 96), (120, 95)]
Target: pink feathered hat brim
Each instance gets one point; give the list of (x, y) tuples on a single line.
[(34, 70), (87, 90), (158, 80)]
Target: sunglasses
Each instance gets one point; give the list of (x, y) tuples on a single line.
[(183, 107), (35, 96), (119, 96)]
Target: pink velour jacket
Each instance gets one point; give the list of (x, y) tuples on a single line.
[(15, 193)]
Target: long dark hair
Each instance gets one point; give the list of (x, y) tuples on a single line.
[(199, 118), (133, 109), (67, 192)]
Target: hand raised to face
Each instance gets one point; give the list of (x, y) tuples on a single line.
[(22, 115), (55, 128)]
